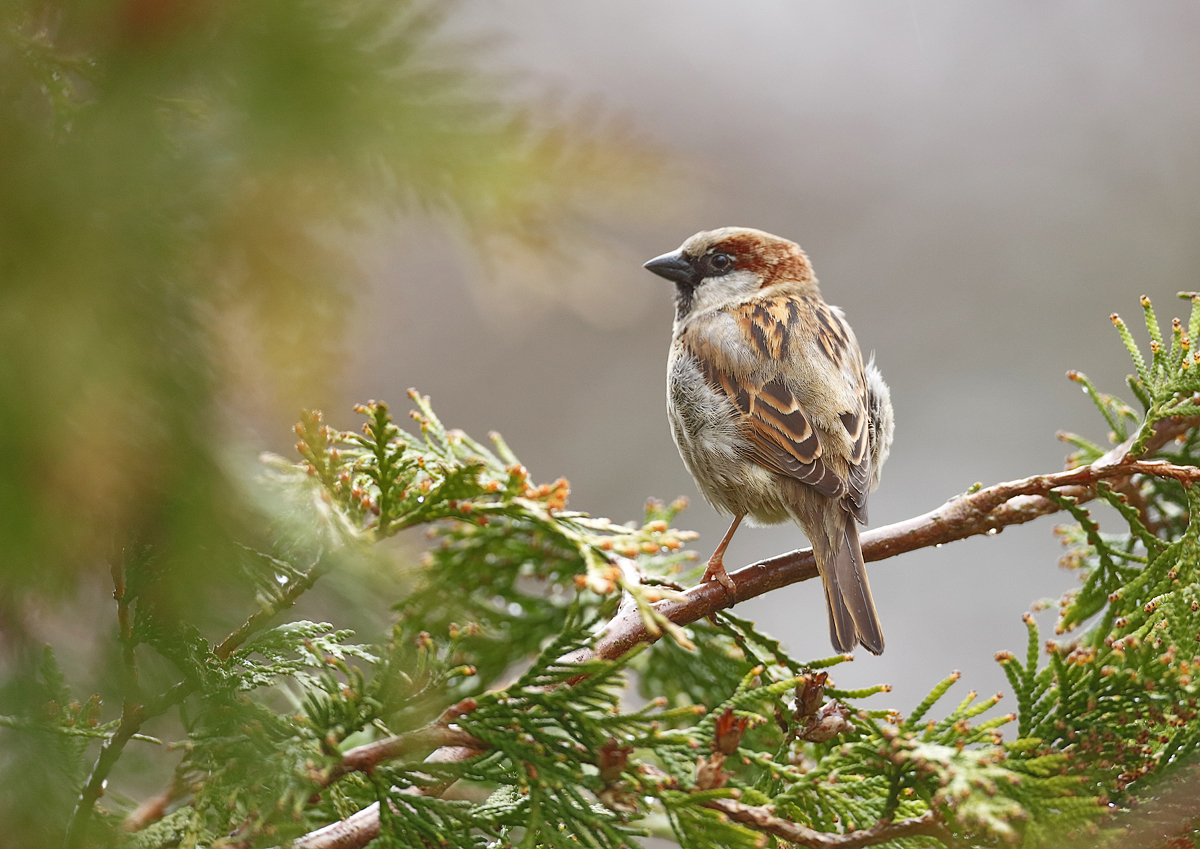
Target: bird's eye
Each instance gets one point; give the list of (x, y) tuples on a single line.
[(720, 263)]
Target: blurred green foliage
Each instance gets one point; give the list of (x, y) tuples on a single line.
[(177, 180)]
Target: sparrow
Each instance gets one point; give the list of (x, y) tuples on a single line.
[(772, 409)]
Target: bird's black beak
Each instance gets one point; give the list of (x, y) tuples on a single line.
[(673, 266)]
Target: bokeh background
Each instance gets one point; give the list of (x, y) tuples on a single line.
[(213, 215)]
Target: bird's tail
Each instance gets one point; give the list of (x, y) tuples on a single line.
[(852, 615)]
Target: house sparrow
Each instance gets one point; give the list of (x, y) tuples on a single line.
[(772, 409)]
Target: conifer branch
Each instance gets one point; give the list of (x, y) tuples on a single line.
[(763, 819), (132, 718), (354, 832), (362, 827), (155, 808), (259, 619), (133, 715), (435, 735), (359, 829), (986, 511), (125, 633)]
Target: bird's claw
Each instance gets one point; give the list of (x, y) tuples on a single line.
[(716, 572)]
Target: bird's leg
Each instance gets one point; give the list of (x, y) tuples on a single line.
[(716, 563)]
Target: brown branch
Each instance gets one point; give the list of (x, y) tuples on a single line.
[(354, 832), (763, 819), (451, 744), (131, 721), (155, 808), (260, 618), (435, 735), (987, 511), (359, 829)]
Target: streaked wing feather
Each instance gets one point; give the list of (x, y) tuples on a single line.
[(780, 429), (781, 436), (858, 481), (835, 336)]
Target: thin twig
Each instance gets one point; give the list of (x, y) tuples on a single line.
[(155, 808), (435, 735), (110, 750), (258, 620), (133, 693), (133, 714)]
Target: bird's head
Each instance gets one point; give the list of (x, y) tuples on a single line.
[(716, 266)]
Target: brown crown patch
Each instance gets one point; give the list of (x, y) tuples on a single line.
[(769, 257)]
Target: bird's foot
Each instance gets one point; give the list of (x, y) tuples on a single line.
[(716, 572)]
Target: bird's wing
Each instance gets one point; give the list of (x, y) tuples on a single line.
[(838, 343), (856, 422), (781, 434)]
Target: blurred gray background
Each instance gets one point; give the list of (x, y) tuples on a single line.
[(978, 186)]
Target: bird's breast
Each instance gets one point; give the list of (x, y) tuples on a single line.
[(708, 431)]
